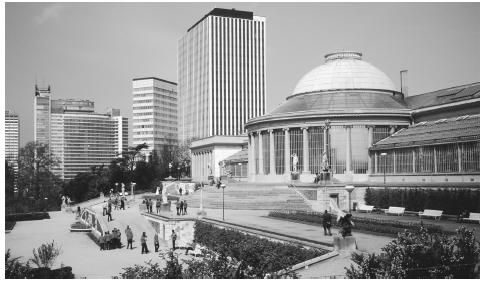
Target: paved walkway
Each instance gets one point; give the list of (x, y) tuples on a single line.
[(78, 250)]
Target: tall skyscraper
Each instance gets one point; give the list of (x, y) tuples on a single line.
[(12, 139), (42, 114), (78, 137), (221, 65), (154, 108)]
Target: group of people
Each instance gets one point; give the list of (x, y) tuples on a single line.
[(112, 240), (109, 241), (181, 207), (149, 203), (345, 222)]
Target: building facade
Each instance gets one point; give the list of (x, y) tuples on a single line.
[(78, 137), (221, 72), (339, 119), (42, 114), (154, 108), (12, 139)]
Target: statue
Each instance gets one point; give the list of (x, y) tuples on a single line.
[(123, 189), (324, 162), (295, 161), (346, 225), (210, 171), (157, 191)]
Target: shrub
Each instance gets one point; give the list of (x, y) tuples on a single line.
[(27, 216), (9, 225), (257, 256), (451, 201), (45, 255), (14, 269), (420, 254), (392, 227)]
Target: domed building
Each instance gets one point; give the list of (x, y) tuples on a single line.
[(335, 114)]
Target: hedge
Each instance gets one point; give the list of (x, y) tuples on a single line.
[(27, 216), (451, 201), (260, 255), (392, 227)]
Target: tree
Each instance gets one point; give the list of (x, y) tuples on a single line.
[(421, 254), (34, 176), (9, 181)]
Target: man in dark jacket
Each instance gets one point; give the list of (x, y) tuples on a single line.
[(327, 222)]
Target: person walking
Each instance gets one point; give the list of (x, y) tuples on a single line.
[(181, 207), (123, 207), (104, 209), (129, 236), (185, 207), (102, 242), (156, 242), (173, 238), (107, 240), (144, 243), (158, 206), (150, 205), (326, 222), (109, 213)]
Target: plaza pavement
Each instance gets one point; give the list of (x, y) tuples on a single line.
[(78, 250)]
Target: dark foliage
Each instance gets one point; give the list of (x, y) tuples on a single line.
[(27, 216), (14, 269), (257, 256), (392, 227), (420, 254), (451, 201), (9, 225)]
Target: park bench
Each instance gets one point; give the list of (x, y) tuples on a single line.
[(365, 208), (395, 210), (431, 213), (473, 216)]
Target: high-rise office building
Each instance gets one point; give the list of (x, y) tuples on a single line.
[(12, 139), (78, 137), (154, 109), (221, 65), (42, 114)]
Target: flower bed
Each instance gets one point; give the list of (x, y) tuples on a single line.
[(79, 227), (257, 255), (392, 227)]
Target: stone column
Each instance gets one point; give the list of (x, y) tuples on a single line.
[(306, 155), (348, 149), (414, 166), (394, 161), (251, 166), (272, 168), (287, 150), (376, 161), (435, 168), (260, 151), (459, 156), (370, 143), (325, 140)]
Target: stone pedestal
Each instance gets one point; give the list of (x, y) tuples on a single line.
[(344, 244)]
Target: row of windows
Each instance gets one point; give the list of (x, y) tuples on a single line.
[(156, 101), (139, 89), (429, 159), (155, 114), (169, 110), (155, 126)]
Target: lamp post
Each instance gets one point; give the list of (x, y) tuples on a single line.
[(132, 191), (384, 168), (223, 186), (349, 189)]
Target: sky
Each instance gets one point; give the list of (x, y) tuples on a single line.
[(94, 50)]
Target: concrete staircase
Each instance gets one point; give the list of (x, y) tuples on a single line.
[(249, 196)]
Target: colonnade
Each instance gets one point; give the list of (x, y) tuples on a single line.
[(306, 149), (200, 161)]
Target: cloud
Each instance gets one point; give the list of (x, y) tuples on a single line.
[(48, 13)]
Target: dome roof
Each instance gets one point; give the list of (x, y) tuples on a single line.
[(344, 70)]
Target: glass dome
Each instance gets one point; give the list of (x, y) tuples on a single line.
[(344, 70)]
